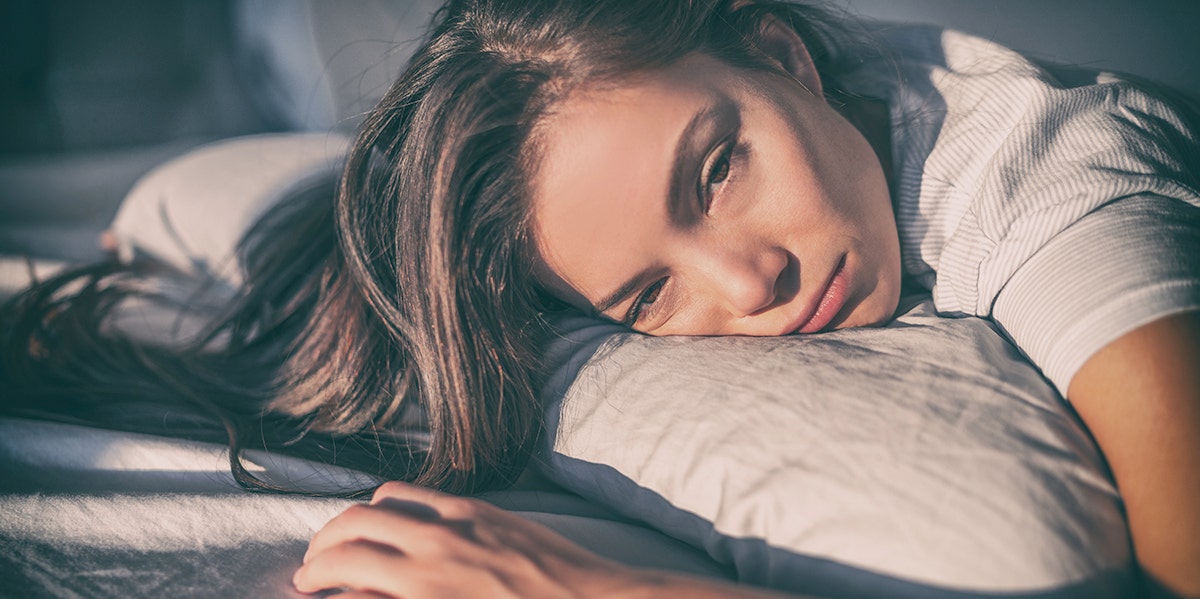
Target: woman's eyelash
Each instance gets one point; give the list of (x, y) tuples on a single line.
[(647, 297)]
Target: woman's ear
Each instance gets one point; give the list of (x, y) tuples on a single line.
[(784, 45)]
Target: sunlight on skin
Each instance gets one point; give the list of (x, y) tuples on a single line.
[(781, 218)]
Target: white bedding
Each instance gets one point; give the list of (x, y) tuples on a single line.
[(951, 472), (924, 455), (925, 459), (86, 512)]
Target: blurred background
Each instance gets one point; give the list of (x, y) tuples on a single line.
[(95, 94)]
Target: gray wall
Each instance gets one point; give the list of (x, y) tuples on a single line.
[(1155, 39)]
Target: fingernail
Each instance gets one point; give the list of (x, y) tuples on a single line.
[(296, 578)]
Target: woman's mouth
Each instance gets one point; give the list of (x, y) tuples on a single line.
[(830, 302)]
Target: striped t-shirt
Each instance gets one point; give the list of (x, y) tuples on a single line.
[(1068, 215)]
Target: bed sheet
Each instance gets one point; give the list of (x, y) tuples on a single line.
[(86, 512)]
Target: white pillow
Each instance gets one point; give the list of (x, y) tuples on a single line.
[(871, 462), (191, 212)]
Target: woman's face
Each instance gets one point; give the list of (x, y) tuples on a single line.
[(706, 199)]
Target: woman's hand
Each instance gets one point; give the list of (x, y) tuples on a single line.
[(414, 542)]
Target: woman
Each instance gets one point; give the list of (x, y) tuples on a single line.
[(682, 167), (706, 187)]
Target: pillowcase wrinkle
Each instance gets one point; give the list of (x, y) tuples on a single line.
[(927, 454)]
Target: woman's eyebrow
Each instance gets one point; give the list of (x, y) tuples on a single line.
[(689, 149), (711, 117)]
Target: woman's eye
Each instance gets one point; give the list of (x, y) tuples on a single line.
[(720, 170), (716, 173), (648, 297)]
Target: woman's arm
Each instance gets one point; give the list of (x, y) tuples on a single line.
[(1140, 397), (412, 542)]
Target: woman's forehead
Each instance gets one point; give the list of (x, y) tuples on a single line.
[(606, 156), (600, 163)]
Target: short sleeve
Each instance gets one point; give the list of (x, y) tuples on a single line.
[(1126, 264)]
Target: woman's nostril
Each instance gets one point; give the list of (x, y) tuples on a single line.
[(787, 282)]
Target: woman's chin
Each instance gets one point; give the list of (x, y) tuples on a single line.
[(876, 310)]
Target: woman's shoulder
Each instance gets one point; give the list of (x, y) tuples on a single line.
[(996, 155), (983, 122)]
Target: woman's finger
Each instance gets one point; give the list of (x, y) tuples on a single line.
[(359, 566), (449, 507), (397, 528), (370, 567), (411, 542)]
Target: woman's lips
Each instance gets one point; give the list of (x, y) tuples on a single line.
[(831, 301)]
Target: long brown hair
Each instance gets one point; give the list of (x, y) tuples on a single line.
[(410, 302)]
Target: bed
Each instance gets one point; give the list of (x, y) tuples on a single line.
[(865, 473)]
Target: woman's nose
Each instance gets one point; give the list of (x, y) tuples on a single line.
[(746, 282)]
